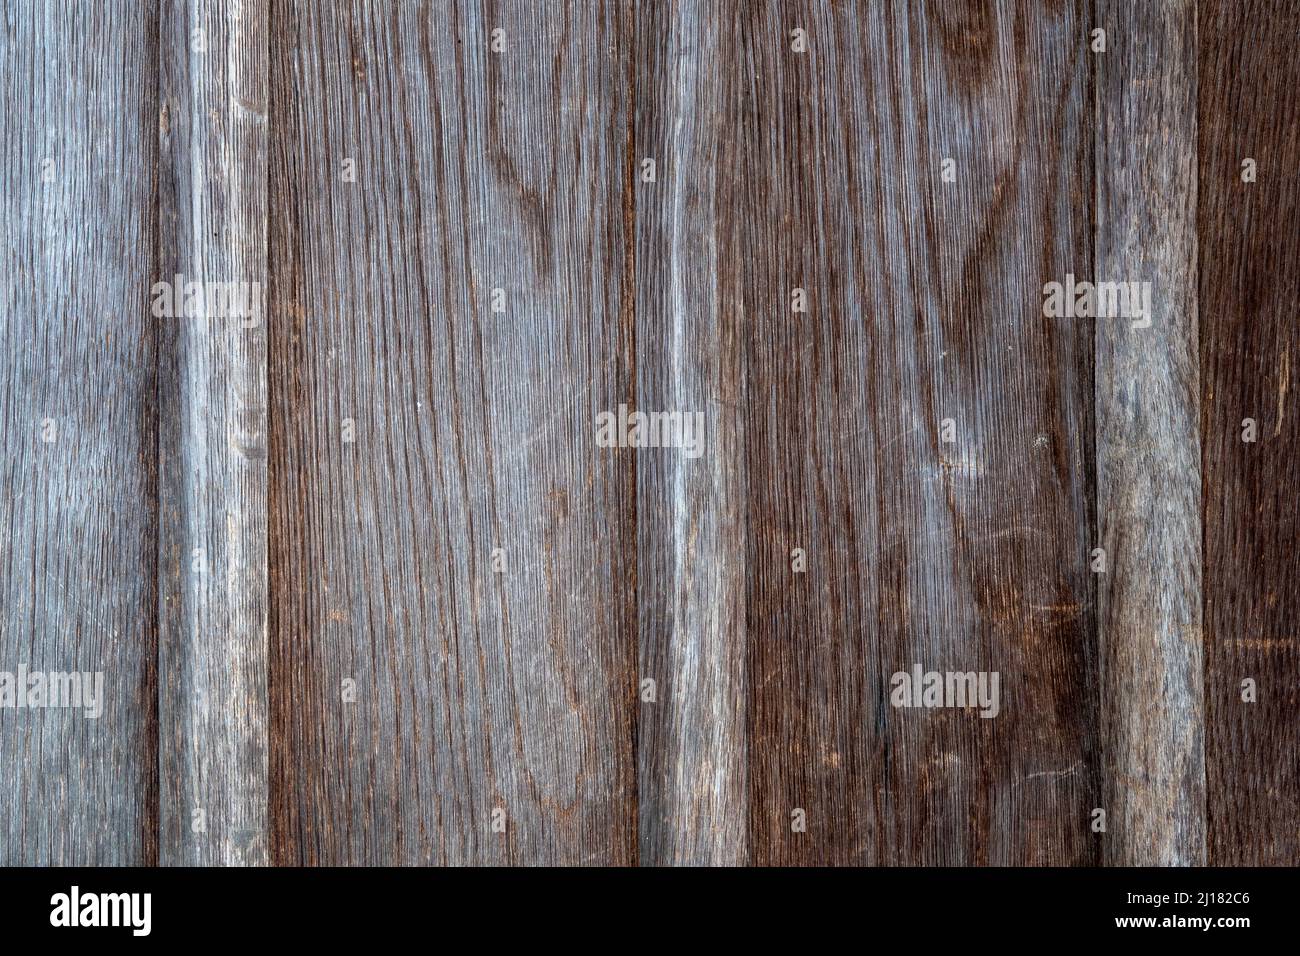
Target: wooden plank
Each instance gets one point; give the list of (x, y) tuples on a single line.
[(212, 446), (690, 514), (78, 423), (414, 430), (924, 304), (1148, 442), (1249, 285)]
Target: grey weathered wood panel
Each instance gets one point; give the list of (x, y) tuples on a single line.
[(690, 515), (415, 430), (924, 304), (78, 141), (1148, 439), (212, 453), (1250, 339)]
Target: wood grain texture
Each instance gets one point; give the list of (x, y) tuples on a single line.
[(1249, 286), (212, 551), (78, 423), (1148, 442), (477, 690), (366, 588), (690, 515), (924, 305)]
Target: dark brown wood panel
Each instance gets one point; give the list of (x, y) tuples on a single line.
[(416, 430), (924, 303), (1250, 338)]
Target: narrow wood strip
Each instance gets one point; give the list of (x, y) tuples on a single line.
[(1148, 441), (212, 450), (690, 511), (1250, 341), (78, 422)]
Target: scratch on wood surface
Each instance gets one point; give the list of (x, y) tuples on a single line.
[(1283, 382)]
